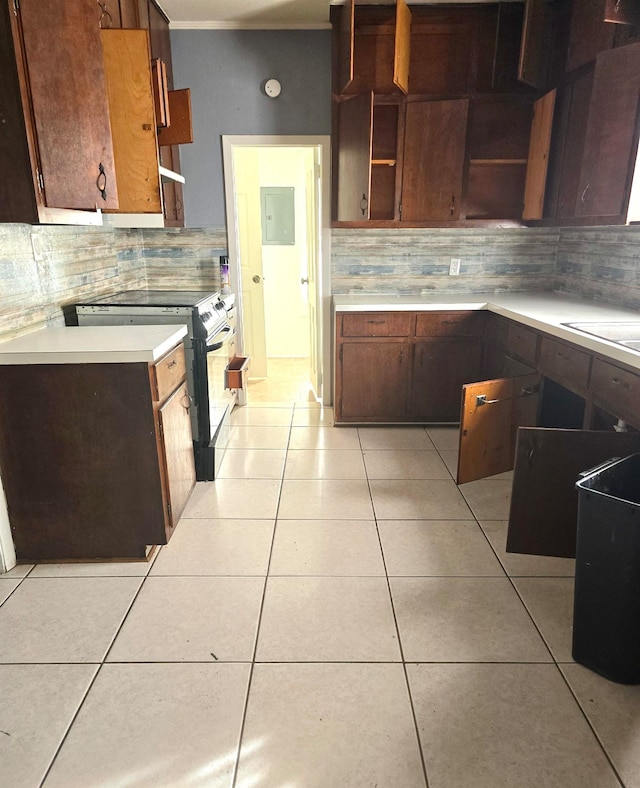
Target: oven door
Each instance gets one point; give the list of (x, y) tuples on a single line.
[(217, 355)]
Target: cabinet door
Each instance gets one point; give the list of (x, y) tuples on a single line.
[(434, 147), (531, 68), (68, 93), (567, 144), (177, 452), (491, 413), (441, 366), (374, 378), (128, 70), (544, 501), (355, 132), (538, 159), (345, 44), (611, 138), (402, 50), (590, 34)]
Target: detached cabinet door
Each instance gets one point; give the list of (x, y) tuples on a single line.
[(434, 148), (355, 132), (544, 501), (491, 413), (67, 84)]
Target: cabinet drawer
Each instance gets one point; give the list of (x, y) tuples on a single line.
[(617, 388), (522, 343), (168, 373), (564, 363), (456, 324), (377, 324)]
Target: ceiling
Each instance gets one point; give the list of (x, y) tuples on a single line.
[(260, 13)]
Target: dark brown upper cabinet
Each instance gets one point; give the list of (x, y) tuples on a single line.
[(590, 34), (622, 12), (355, 130), (55, 136), (531, 68), (433, 166), (345, 26), (611, 141)]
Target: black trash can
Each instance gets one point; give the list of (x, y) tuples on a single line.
[(606, 614)]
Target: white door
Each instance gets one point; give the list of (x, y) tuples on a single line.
[(313, 200), (250, 257)]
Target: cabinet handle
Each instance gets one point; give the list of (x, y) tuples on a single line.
[(584, 194), (188, 399), (376, 322), (618, 382), (101, 181), (400, 357), (104, 15), (172, 364), (364, 202), (452, 205)]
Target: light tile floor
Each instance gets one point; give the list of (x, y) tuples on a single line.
[(333, 611)]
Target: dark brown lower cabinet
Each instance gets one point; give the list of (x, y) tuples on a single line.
[(374, 381), (441, 366), (532, 425), (96, 459), (544, 501)]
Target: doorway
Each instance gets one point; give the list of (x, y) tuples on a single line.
[(277, 200)]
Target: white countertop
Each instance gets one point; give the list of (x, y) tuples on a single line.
[(92, 345), (543, 311)]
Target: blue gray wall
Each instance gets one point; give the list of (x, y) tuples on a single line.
[(225, 70)]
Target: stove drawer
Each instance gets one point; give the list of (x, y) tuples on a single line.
[(236, 373), (168, 373)]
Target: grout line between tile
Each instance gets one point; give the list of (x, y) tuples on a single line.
[(259, 621), (395, 622)]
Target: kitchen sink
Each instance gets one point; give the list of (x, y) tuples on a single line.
[(626, 334)]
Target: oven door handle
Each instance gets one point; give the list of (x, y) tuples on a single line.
[(220, 339)]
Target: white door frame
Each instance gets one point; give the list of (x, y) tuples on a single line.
[(323, 306)]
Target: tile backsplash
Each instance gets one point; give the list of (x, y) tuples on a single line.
[(601, 263), (416, 261), (43, 268)]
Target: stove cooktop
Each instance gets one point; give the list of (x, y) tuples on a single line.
[(189, 298)]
